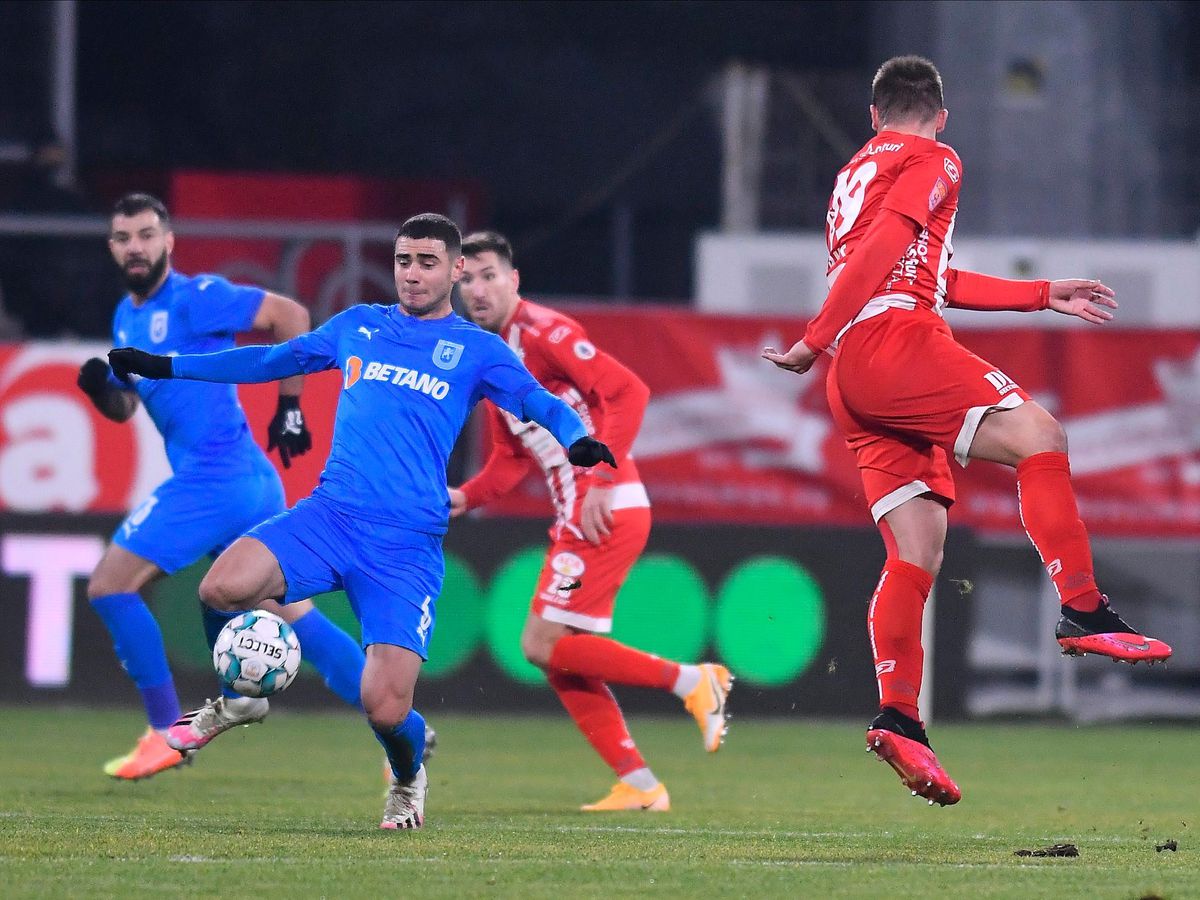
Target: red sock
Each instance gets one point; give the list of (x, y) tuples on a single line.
[(1051, 519), (594, 710), (894, 624), (592, 656)]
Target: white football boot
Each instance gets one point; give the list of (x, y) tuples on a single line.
[(405, 806), (195, 729)]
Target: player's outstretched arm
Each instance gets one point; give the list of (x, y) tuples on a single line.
[(285, 319), (96, 380), (1086, 298), (560, 420), (242, 365), (888, 236)]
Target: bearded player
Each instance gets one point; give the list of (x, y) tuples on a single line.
[(221, 483), (601, 526), (907, 396)]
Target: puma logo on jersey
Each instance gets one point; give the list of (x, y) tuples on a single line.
[(367, 332), (204, 284), (356, 370)]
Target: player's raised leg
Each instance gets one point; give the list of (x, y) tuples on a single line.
[(389, 680), (915, 533), (114, 594), (1032, 441), (242, 577)]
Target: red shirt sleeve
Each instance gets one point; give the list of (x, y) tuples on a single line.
[(506, 465), (606, 385), (970, 290), (887, 237)]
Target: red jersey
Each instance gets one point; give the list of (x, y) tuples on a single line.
[(609, 398), (918, 178)]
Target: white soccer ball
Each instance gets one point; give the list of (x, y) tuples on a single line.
[(257, 654)]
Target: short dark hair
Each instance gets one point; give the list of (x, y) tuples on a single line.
[(435, 226), (137, 202), (488, 241), (907, 87)]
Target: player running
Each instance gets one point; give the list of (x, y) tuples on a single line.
[(411, 374), (221, 485), (906, 396), (603, 521)]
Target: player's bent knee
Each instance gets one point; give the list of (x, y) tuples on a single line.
[(1044, 434), (386, 715), (221, 593), (537, 650)]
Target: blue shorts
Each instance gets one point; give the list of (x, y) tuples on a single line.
[(189, 516), (392, 576)]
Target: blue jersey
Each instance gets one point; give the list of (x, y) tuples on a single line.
[(203, 425), (408, 385)]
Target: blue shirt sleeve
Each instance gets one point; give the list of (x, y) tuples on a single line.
[(505, 380), (508, 384), (555, 416), (220, 307), (241, 365), (317, 350)]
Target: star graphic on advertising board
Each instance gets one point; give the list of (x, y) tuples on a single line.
[(755, 407)]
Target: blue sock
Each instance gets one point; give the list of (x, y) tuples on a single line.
[(335, 654), (139, 645), (214, 620), (405, 745)]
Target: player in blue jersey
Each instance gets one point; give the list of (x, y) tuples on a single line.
[(411, 374), (222, 483)]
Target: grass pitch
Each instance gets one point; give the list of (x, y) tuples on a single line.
[(786, 809)]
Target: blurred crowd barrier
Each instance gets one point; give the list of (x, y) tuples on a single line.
[(727, 437)]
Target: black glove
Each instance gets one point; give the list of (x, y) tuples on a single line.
[(288, 432), (588, 452), (126, 361), (93, 378)]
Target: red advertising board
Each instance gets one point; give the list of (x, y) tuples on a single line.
[(727, 437)]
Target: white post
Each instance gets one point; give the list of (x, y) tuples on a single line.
[(925, 700), (62, 85), (743, 127)]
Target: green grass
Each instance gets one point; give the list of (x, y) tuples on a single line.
[(787, 809)]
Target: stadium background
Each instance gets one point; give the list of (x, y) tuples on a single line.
[(663, 169)]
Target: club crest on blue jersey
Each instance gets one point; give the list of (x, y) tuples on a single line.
[(158, 326), (447, 354)]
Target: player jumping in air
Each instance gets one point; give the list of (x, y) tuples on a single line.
[(906, 396), (603, 521), (411, 373), (221, 485)]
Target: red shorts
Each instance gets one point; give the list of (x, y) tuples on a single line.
[(599, 571), (906, 395)]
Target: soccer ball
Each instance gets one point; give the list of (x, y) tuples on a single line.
[(257, 654)]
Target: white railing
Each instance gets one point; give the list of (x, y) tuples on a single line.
[(355, 277)]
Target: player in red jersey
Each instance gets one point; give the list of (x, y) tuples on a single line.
[(603, 521), (906, 396)]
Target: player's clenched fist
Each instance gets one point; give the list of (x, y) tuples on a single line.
[(588, 452), (288, 430), (93, 377), (126, 361)]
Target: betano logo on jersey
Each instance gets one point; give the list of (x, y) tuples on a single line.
[(401, 376)]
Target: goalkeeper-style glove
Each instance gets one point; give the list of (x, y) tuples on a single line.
[(288, 432), (126, 361)]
